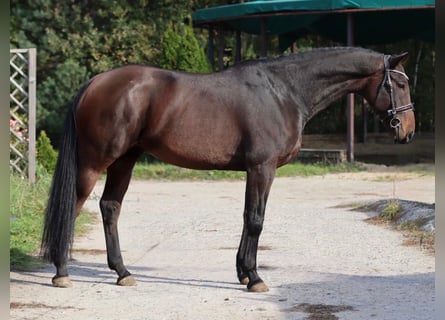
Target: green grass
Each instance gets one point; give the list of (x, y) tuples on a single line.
[(315, 169), (27, 205), (26, 212), (420, 169), (161, 171)]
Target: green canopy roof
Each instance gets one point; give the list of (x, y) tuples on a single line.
[(255, 7), (375, 21)]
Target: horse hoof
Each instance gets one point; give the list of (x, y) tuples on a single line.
[(62, 282), (244, 281), (258, 287), (127, 281)]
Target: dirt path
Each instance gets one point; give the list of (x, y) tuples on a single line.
[(179, 239)]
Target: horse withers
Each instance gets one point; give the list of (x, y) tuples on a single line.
[(249, 117)]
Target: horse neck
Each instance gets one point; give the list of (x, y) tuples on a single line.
[(323, 79)]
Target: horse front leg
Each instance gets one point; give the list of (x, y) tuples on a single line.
[(259, 181)]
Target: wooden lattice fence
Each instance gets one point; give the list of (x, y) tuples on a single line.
[(22, 121)]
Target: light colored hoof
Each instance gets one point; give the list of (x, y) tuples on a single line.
[(128, 281), (62, 282), (245, 281), (259, 287)]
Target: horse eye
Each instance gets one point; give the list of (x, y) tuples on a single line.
[(401, 85)]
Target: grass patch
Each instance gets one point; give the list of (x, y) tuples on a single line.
[(316, 169), (424, 240), (162, 171), (26, 220), (404, 172), (392, 211), (412, 226), (420, 169), (414, 236), (27, 205)]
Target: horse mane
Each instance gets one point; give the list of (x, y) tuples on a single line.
[(313, 54)]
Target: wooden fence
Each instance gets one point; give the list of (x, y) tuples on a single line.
[(22, 121)]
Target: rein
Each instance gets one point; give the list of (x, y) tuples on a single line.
[(393, 109)]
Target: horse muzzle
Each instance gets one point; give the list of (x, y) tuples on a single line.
[(400, 135), (408, 138)]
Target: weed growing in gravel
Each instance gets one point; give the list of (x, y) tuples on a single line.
[(392, 211), (414, 225)]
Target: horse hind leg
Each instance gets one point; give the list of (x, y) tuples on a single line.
[(118, 178)]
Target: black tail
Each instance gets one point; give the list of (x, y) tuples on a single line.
[(58, 230)]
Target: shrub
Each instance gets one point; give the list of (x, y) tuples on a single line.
[(181, 50), (46, 155)]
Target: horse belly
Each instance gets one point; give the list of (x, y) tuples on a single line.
[(198, 147)]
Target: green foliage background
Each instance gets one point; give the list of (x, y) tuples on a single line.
[(78, 39)]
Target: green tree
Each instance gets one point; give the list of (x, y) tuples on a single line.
[(181, 50), (46, 155), (78, 39), (171, 46), (56, 93), (192, 55)]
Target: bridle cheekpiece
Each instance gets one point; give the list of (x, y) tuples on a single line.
[(387, 83)]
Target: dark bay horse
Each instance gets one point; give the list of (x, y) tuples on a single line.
[(249, 117)]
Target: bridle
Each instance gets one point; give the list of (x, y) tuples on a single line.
[(393, 109)]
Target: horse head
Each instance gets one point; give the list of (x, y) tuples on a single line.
[(393, 101)]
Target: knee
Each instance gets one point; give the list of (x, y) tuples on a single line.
[(110, 210), (255, 225)]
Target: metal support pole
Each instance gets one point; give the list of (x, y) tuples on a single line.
[(211, 49), (220, 48), (238, 46), (350, 97)]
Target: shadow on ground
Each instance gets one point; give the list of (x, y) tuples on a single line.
[(337, 296)]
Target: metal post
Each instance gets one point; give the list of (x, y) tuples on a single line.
[(220, 48), (32, 58), (350, 97), (211, 50), (238, 46)]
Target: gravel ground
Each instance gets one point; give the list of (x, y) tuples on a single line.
[(320, 259)]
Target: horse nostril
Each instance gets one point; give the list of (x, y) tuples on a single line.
[(409, 136)]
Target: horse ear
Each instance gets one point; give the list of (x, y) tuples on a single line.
[(397, 58)]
